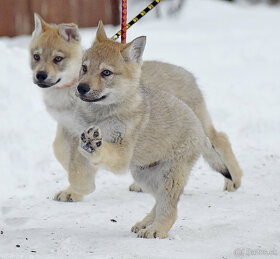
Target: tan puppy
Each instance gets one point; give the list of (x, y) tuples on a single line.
[(56, 55), (140, 127)]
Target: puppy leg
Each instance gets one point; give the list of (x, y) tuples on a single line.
[(80, 174), (82, 181), (148, 220), (165, 216), (222, 145), (114, 157), (170, 187)]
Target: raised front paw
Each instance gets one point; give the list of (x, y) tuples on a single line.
[(91, 139)]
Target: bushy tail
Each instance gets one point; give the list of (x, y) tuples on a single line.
[(214, 159)]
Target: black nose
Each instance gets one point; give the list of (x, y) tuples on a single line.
[(41, 76), (83, 88)]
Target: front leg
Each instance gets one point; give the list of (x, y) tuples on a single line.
[(110, 156), (80, 174)]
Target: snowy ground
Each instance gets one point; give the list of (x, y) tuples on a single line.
[(234, 53)]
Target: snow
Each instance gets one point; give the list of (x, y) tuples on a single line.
[(233, 50)]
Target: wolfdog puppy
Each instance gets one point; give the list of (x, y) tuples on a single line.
[(140, 127)]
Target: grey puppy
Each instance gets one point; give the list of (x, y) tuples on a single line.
[(140, 127)]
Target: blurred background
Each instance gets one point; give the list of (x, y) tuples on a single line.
[(16, 16)]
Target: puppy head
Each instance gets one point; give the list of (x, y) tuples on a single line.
[(110, 71), (56, 53)]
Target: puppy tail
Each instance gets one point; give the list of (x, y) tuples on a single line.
[(214, 159)]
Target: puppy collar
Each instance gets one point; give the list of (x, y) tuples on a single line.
[(75, 80)]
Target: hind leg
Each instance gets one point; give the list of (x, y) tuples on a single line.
[(222, 145), (134, 187)]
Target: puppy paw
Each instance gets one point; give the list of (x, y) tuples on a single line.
[(67, 196), (231, 186), (91, 139), (138, 226), (135, 188), (152, 232)]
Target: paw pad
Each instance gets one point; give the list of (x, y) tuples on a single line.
[(91, 139)]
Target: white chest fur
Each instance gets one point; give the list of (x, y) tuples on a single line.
[(62, 106)]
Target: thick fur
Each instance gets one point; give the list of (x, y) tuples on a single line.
[(73, 115), (159, 137), (50, 41)]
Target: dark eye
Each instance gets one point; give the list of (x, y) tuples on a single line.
[(106, 73), (84, 68), (36, 57), (57, 59)]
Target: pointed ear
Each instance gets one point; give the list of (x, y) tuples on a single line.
[(100, 33), (133, 51), (69, 31), (39, 25)]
